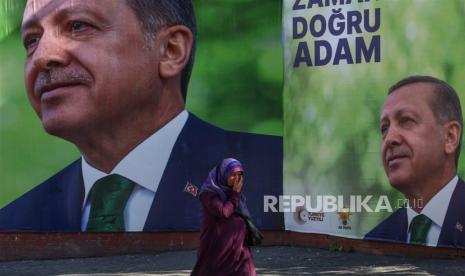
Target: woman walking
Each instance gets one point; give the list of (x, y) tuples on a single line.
[(222, 248)]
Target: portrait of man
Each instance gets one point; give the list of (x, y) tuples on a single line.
[(112, 78), (421, 125)]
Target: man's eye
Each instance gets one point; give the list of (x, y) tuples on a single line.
[(30, 41), (383, 129), (79, 26), (405, 120)]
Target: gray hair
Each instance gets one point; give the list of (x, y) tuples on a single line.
[(154, 14)]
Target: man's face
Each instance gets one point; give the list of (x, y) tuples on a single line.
[(88, 65), (413, 142)]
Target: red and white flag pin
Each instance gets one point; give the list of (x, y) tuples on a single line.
[(191, 189)]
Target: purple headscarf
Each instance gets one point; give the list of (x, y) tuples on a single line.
[(217, 182), (218, 176)]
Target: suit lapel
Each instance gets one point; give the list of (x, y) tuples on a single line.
[(453, 228), (398, 226), (392, 229), (62, 210), (198, 148)]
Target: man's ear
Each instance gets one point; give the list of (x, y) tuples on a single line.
[(452, 131), (175, 49)]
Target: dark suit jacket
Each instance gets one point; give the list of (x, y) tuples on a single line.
[(394, 228), (55, 205)]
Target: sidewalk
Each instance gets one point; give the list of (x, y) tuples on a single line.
[(275, 260)]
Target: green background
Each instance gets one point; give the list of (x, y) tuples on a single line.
[(236, 84), (331, 113)]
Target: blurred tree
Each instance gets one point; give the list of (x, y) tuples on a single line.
[(10, 14), (237, 79)]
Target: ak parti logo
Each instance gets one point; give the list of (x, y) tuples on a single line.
[(344, 217)]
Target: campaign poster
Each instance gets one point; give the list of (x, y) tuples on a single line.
[(234, 107), (340, 59)]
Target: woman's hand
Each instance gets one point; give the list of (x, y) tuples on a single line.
[(237, 187)]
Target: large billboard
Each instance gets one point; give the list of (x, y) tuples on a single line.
[(359, 162), (371, 98), (72, 66)]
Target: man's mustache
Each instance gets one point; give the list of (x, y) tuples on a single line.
[(50, 79), (396, 152)]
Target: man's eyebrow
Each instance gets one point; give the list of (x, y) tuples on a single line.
[(397, 113), (61, 13), (403, 111), (37, 15), (383, 117), (30, 23)]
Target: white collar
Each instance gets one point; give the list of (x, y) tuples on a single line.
[(146, 163), (436, 208)]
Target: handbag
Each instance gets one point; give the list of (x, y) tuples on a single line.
[(253, 236)]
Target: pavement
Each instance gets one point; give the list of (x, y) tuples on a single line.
[(272, 260)]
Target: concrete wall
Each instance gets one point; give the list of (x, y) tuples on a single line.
[(21, 246)]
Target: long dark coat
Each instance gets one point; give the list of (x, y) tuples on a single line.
[(222, 250)]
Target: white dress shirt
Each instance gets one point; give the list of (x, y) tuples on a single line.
[(435, 210), (144, 165)]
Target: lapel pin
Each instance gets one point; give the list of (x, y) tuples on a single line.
[(191, 189)]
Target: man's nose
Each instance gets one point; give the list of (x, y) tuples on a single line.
[(51, 52), (393, 137)]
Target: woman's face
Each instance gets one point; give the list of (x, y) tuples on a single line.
[(234, 178)]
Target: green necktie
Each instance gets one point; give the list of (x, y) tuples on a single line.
[(419, 229), (108, 198)]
